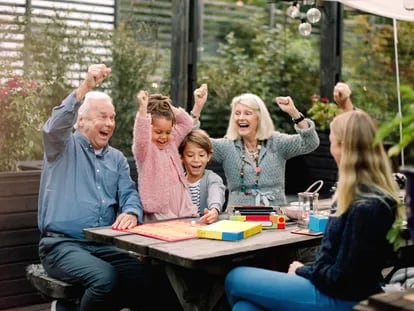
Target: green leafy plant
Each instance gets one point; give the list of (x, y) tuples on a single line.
[(20, 117), (390, 129), (55, 60), (405, 142), (132, 65), (397, 234), (50, 52), (258, 59), (322, 112)]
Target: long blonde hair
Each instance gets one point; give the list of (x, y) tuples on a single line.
[(362, 162)]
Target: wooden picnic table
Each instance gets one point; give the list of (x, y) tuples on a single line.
[(196, 268)]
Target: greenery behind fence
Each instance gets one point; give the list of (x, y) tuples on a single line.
[(252, 57)]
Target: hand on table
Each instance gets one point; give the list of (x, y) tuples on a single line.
[(210, 216), (125, 221)]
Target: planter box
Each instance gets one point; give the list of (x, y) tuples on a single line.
[(19, 237)]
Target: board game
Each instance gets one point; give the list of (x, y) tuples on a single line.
[(169, 230), (229, 230)]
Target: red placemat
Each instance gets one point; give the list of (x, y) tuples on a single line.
[(170, 230)]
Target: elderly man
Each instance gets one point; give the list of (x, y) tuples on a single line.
[(342, 96), (86, 183)]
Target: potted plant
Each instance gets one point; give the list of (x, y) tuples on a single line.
[(322, 112), (398, 235)]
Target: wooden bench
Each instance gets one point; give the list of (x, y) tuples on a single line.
[(51, 288), (402, 300), (54, 289)]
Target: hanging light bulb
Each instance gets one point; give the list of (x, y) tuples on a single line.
[(313, 15), (305, 29), (293, 10)]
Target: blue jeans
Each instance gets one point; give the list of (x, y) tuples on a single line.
[(249, 288), (111, 277)]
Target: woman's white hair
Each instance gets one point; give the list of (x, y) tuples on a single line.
[(90, 97), (265, 127)]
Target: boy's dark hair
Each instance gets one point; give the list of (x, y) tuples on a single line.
[(198, 137)]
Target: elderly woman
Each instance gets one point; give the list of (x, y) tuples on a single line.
[(253, 155)]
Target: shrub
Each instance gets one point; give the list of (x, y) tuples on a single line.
[(132, 65), (268, 62), (53, 61), (20, 118)]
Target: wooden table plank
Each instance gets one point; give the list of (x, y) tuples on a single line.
[(220, 255), (103, 234), (136, 243)]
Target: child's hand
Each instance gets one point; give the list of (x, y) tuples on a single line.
[(142, 99), (201, 93), (210, 216), (200, 98)]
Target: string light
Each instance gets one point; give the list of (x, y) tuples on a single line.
[(293, 10), (305, 28), (313, 15)]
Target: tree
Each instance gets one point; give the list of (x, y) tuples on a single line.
[(268, 62)]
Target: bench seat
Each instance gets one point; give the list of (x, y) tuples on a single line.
[(51, 288)]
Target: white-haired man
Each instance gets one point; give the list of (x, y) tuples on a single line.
[(86, 183)]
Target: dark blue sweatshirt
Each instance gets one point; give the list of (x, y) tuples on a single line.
[(354, 250)]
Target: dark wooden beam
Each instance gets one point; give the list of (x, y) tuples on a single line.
[(187, 26), (195, 33), (179, 52), (330, 47)]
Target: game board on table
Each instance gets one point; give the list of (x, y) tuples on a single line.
[(169, 230)]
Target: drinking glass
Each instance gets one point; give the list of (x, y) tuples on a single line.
[(308, 204)]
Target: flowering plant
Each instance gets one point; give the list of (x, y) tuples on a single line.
[(19, 118), (322, 112)]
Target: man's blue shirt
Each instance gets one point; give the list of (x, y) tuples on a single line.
[(78, 188)]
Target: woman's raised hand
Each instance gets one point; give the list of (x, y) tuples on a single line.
[(286, 104)]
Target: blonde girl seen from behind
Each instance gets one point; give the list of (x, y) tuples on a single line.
[(359, 161)]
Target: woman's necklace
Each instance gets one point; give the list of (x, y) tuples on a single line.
[(254, 156)]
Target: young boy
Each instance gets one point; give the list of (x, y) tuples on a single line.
[(206, 187)]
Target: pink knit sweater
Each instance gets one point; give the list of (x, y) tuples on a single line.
[(161, 182)]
